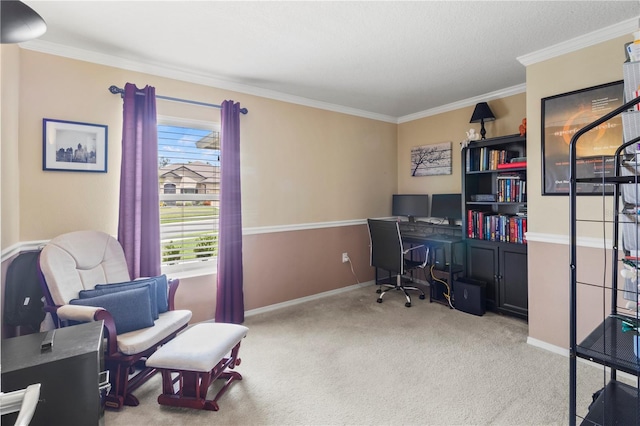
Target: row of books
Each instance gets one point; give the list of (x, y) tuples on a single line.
[(511, 188), (485, 158), (496, 227)]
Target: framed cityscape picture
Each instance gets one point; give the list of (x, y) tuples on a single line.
[(562, 116), (74, 147)]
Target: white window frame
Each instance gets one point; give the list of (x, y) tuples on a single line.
[(195, 268)]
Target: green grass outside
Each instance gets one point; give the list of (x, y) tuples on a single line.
[(173, 214)]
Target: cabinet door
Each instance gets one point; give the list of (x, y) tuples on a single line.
[(513, 296), (482, 264)]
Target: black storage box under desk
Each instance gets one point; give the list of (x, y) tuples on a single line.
[(469, 295)]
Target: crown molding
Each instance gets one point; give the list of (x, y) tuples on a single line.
[(163, 70), (613, 31), (502, 93)]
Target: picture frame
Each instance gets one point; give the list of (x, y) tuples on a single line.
[(431, 160), (562, 116), (72, 146)]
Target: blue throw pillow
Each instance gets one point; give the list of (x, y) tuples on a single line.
[(160, 288), (130, 309), (163, 293), (102, 289)]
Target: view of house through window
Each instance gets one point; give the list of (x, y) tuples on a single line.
[(189, 188)]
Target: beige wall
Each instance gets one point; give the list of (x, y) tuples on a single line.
[(300, 165), (9, 136), (451, 127), (587, 67), (549, 215)]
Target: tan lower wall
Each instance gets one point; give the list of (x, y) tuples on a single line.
[(549, 291), (283, 266)]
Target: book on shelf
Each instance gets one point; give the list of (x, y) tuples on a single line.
[(496, 227), (511, 189), (484, 158), (520, 164)]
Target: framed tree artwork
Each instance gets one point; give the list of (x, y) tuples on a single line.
[(429, 160), (562, 116)]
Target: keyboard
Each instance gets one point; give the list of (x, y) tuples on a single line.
[(428, 236), (414, 234)]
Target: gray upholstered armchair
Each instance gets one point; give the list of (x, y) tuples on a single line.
[(85, 278)]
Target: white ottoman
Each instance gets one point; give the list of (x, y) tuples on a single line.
[(198, 356)]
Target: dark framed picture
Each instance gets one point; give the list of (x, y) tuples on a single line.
[(562, 116), (74, 147)]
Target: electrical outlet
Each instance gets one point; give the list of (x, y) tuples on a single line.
[(345, 257)]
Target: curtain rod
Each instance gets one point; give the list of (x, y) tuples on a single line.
[(115, 90)]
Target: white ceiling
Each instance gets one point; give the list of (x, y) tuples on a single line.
[(390, 59)]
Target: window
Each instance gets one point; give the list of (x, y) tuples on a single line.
[(189, 189)]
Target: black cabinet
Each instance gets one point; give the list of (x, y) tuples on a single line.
[(504, 268), (482, 264), (68, 373), (494, 221)]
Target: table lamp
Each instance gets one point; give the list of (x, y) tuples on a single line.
[(482, 113)]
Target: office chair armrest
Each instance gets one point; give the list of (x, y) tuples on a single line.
[(414, 248), (426, 253)]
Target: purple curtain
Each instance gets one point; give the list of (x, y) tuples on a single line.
[(230, 298), (139, 219)]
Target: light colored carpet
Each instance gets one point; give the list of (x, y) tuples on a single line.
[(348, 360)]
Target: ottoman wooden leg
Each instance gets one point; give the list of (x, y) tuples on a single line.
[(192, 386), (191, 362)]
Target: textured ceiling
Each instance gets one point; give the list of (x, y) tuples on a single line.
[(390, 58)]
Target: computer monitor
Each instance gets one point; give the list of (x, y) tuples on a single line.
[(410, 205), (447, 206)]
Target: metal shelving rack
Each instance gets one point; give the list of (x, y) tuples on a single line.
[(608, 344)]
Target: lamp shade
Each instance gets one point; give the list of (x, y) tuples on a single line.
[(18, 22), (482, 112)]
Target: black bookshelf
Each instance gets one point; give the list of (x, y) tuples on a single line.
[(494, 220)]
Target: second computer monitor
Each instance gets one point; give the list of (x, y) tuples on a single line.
[(447, 206)]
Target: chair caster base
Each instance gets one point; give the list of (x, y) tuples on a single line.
[(422, 296), (408, 305), (379, 300)]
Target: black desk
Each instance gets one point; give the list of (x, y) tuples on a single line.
[(438, 238), (69, 374)]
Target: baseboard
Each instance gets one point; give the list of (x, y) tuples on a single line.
[(305, 299), (547, 346)]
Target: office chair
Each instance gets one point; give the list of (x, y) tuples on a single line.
[(388, 253)]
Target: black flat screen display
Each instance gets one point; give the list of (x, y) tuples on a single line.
[(410, 205), (447, 206)]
